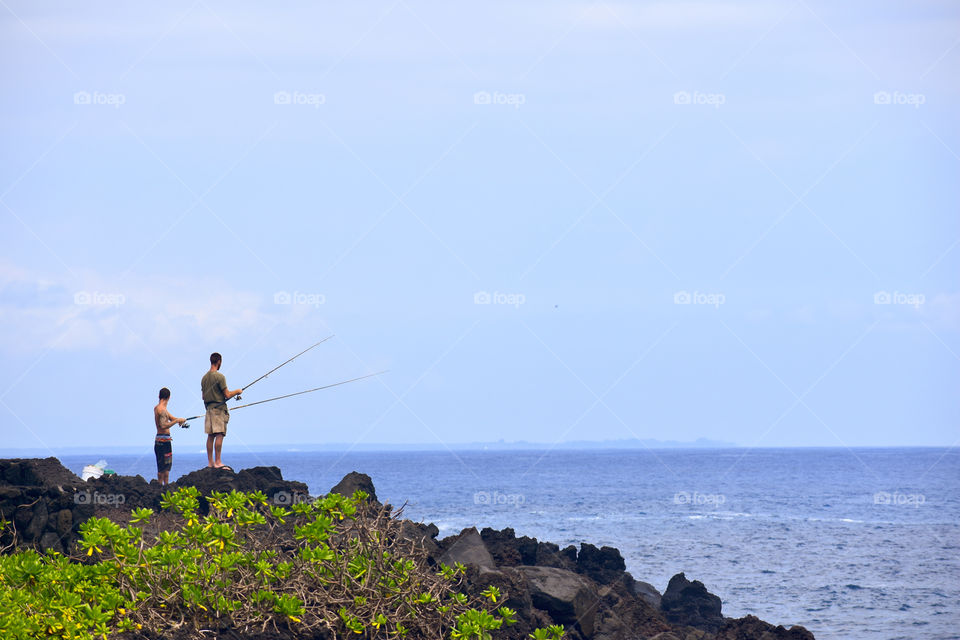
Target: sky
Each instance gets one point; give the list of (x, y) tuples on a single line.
[(550, 221)]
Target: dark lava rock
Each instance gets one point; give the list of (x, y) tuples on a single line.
[(50, 541), (38, 522), (603, 565), (269, 480), (36, 472), (505, 548), (567, 597), (209, 479), (643, 589), (122, 492), (510, 551), (47, 503), (33, 494), (423, 534), (64, 522), (466, 547), (753, 628), (354, 481), (689, 603)]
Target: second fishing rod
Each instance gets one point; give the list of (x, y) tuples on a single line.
[(282, 364), (185, 425), (285, 362)]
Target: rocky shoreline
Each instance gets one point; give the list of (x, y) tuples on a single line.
[(587, 590)]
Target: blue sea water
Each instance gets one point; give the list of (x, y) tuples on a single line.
[(854, 544)]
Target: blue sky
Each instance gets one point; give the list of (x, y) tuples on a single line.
[(550, 221)]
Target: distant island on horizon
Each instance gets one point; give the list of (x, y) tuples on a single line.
[(499, 445)]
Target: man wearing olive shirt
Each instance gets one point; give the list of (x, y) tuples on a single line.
[(215, 396)]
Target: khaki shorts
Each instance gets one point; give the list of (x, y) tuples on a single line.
[(216, 421)]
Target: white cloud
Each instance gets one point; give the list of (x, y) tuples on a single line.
[(97, 312)]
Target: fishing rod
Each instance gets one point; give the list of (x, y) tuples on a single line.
[(300, 393), (290, 395), (242, 389)]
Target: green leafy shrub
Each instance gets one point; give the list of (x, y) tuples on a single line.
[(332, 563)]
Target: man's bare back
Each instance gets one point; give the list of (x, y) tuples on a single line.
[(163, 419)]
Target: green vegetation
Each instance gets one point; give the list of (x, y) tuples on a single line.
[(332, 563)]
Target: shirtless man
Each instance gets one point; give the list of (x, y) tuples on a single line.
[(162, 445), (213, 385)]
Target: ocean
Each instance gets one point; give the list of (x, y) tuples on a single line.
[(853, 544)]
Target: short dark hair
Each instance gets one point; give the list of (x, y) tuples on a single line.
[(164, 394), (215, 358)]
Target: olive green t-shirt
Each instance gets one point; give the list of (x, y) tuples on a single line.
[(214, 386)]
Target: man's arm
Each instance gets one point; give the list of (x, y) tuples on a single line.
[(168, 420), (227, 394)]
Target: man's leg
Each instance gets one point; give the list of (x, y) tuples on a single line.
[(219, 447), (158, 453), (210, 438)]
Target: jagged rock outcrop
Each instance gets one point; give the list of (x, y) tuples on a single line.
[(43, 502), (753, 628), (603, 565), (565, 596), (269, 480), (689, 603), (467, 547), (47, 503), (558, 585), (355, 481)]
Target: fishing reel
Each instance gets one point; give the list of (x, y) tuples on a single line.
[(185, 425)]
